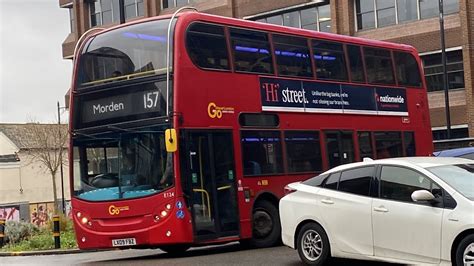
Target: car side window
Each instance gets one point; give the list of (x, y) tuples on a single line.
[(398, 183), (332, 181), (468, 156), (315, 181), (357, 181)]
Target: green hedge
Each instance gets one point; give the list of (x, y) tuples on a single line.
[(22, 236)]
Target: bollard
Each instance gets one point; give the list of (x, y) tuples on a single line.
[(2, 232), (57, 238)]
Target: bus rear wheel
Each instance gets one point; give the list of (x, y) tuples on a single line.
[(175, 249), (266, 228)]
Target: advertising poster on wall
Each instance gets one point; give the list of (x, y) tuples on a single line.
[(11, 213)]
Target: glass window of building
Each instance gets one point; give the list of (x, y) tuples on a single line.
[(72, 19), (324, 18), (450, 6), (292, 19), (365, 14), (174, 3), (380, 13), (104, 12), (433, 67), (277, 20), (407, 10), (385, 12), (311, 18), (133, 8), (307, 18), (428, 9)]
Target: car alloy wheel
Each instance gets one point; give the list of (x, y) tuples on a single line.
[(312, 245), (468, 256)]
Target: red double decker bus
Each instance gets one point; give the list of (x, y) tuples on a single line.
[(185, 130)]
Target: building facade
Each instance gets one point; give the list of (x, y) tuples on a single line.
[(413, 22), (26, 186)]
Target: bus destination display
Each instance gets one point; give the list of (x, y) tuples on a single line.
[(123, 105)]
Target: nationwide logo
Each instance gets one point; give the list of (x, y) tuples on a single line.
[(215, 111), (390, 99), (113, 210)]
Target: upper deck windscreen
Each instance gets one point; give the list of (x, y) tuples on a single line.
[(129, 52)]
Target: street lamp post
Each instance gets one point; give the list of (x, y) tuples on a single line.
[(445, 74), (61, 161)]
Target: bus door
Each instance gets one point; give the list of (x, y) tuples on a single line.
[(339, 147), (210, 183)]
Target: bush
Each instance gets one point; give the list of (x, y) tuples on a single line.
[(19, 231), (33, 238)]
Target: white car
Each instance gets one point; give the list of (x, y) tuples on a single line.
[(416, 210)]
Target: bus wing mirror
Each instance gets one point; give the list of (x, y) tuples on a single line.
[(171, 140)]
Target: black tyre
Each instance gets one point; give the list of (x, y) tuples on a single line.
[(266, 228), (313, 244), (465, 252), (175, 249)]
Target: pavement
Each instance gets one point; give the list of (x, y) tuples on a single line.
[(45, 252)]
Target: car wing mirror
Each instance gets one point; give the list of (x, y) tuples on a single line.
[(422, 195)]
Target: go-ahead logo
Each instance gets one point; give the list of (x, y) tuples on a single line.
[(113, 210), (215, 111)]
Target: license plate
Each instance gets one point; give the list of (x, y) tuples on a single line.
[(124, 242)]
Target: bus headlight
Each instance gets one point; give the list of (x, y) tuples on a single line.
[(84, 220), (164, 213)]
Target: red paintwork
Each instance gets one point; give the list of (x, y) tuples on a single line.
[(194, 89)]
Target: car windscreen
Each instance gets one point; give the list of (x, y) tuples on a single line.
[(459, 176)]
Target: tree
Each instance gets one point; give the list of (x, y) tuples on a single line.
[(47, 145)]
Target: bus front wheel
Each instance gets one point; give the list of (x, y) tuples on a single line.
[(266, 228)]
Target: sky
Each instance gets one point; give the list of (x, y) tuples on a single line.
[(33, 73)]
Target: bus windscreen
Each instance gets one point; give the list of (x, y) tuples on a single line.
[(135, 51)]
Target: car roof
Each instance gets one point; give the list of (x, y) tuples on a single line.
[(423, 162), (454, 152)]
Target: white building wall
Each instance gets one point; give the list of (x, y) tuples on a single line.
[(28, 181)]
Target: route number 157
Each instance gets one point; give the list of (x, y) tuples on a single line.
[(150, 99)]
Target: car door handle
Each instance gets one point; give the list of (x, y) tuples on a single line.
[(380, 209), (327, 201)]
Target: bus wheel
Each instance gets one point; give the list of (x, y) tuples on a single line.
[(175, 249), (266, 229)]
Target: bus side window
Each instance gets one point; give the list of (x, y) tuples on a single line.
[(379, 66), (292, 56), (408, 72), (330, 61), (251, 51), (207, 46)]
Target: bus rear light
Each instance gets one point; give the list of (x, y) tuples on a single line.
[(289, 190)]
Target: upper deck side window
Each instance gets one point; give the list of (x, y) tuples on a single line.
[(407, 69), (330, 60), (292, 56), (379, 66), (251, 51), (207, 46)]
